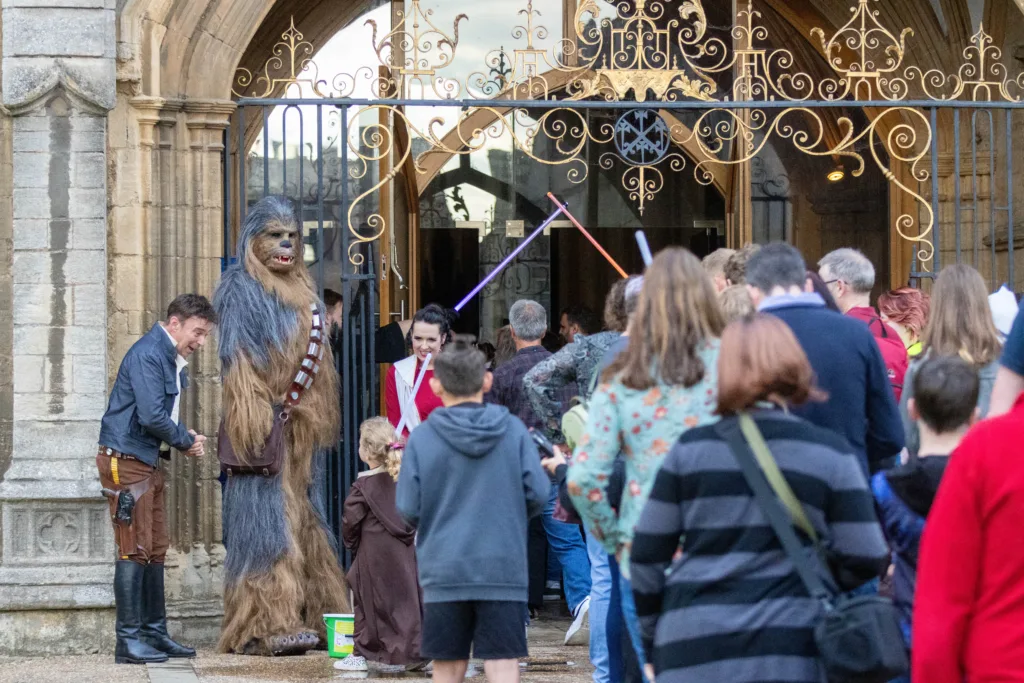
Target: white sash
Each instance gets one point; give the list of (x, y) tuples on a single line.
[(405, 377)]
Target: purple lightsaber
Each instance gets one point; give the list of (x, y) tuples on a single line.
[(508, 259)]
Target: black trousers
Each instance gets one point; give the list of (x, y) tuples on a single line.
[(537, 559)]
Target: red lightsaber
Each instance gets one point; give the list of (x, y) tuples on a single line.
[(586, 234)]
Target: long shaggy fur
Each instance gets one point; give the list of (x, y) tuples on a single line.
[(281, 569)]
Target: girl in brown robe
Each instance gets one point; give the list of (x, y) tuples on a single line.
[(387, 601)]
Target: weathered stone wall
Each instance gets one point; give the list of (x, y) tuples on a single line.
[(58, 84)]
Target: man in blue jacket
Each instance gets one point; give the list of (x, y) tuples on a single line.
[(141, 425), (860, 406)]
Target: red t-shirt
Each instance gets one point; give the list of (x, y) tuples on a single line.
[(894, 353), (426, 401)]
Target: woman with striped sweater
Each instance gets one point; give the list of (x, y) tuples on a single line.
[(730, 606)]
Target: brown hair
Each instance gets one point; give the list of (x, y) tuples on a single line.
[(960, 320), (383, 449), (736, 267), (714, 263), (736, 302), (615, 317), (761, 360), (908, 307), (677, 313)]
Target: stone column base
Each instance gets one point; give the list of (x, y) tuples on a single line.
[(57, 632)]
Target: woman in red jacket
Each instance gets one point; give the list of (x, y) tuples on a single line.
[(969, 606), (430, 331)]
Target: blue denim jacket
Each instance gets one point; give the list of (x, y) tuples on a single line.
[(138, 416)]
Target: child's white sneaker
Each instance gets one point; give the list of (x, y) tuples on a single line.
[(351, 663)]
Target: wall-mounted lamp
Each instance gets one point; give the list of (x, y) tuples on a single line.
[(836, 174)]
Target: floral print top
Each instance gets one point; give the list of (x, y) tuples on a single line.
[(643, 425)]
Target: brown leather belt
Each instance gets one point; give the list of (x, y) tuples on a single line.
[(115, 454)]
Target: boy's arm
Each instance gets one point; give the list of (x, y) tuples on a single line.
[(948, 571), (407, 493), (536, 485)]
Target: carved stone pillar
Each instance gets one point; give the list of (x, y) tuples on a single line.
[(56, 550)]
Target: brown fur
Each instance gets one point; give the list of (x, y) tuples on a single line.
[(307, 582)]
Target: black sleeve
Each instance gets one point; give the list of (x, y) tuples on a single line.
[(563, 490)]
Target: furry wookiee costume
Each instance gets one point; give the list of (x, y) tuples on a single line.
[(281, 572)]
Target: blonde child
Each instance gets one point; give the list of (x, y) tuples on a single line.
[(387, 604)]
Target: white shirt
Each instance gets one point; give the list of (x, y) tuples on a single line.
[(180, 364)]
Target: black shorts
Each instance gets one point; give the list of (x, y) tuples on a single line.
[(495, 630)]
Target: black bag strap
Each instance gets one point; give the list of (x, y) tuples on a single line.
[(780, 520)]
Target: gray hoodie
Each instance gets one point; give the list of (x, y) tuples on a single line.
[(470, 481)]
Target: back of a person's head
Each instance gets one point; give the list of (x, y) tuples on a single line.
[(677, 313), (615, 316), (382, 447), (584, 318), (634, 286), (505, 346), (776, 265), (714, 263), (960, 322), (736, 302), (761, 360), (908, 307), (946, 393), (528, 320), (737, 264), (461, 367), (852, 267), (331, 298)]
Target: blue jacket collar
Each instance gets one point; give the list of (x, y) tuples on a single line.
[(158, 334), (789, 300)]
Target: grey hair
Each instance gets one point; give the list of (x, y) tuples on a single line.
[(633, 289), (528, 319), (852, 267), (266, 212)]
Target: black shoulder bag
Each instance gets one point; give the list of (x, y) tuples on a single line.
[(859, 638)]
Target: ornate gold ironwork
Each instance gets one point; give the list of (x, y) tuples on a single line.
[(649, 50)]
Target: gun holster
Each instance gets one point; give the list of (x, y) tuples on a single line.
[(123, 501)]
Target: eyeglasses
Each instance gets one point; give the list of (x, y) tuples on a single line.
[(829, 282)]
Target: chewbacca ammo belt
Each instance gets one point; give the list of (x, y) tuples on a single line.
[(268, 460)]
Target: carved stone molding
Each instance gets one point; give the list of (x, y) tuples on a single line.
[(69, 532)]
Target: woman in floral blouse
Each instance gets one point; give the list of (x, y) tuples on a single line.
[(664, 384)]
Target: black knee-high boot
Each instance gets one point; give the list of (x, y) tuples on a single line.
[(154, 614), (130, 649)]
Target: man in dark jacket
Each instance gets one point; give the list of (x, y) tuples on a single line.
[(471, 479), (846, 360), (849, 276), (141, 425)]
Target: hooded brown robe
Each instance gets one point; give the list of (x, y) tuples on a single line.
[(388, 603)]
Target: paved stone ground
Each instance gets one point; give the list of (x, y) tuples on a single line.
[(549, 662)]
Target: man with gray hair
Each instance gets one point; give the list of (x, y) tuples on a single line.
[(529, 321), (849, 276)]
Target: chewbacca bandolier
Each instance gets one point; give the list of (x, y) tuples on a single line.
[(281, 572)]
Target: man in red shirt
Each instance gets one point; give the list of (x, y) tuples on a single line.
[(849, 276), (969, 605)]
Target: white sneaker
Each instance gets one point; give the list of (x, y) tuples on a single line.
[(579, 631), (351, 663)]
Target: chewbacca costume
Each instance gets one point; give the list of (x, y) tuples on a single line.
[(281, 572)]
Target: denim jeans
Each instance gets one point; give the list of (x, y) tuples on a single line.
[(613, 626), (632, 620), (600, 598), (566, 542)]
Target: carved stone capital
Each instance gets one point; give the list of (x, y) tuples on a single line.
[(29, 84)]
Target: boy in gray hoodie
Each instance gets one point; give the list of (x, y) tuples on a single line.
[(471, 480)]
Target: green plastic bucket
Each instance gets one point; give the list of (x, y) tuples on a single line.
[(340, 628)]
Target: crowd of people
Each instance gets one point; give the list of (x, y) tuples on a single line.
[(668, 564)]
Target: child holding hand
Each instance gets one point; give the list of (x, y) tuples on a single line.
[(387, 602)]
